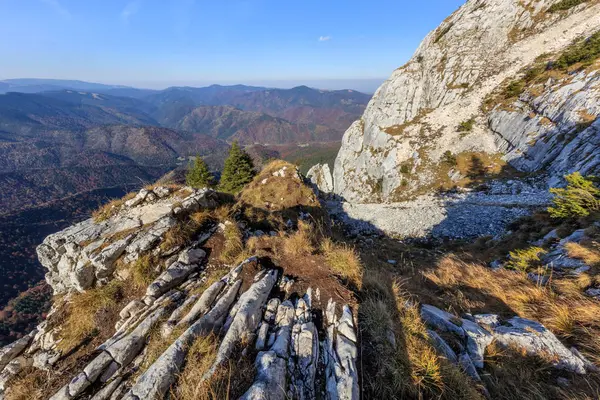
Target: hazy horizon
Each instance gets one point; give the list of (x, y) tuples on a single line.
[(362, 85)]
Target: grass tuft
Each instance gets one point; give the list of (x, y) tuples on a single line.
[(342, 259), (111, 208), (301, 242), (80, 320)]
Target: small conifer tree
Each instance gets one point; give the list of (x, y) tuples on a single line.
[(199, 176), (238, 170), (578, 199)]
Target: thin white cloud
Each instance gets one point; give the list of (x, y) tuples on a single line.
[(59, 8), (130, 10), (324, 38)]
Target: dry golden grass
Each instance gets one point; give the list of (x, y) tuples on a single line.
[(30, 384), (342, 259), (144, 270), (230, 381), (233, 247), (301, 242), (157, 345), (200, 358), (201, 217), (79, 322), (272, 203), (589, 254), (180, 234), (222, 213), (561, 306), (111, 208), (409, 368)]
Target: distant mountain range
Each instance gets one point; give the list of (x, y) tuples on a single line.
[(79, 136)]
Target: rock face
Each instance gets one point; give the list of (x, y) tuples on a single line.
[(320, 176), (84, 254), (395, 151)]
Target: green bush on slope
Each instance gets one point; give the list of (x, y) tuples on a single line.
[(565, 5), (578, 199)]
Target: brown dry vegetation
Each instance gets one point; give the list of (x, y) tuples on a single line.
[(397, 359), (185, 230), (30, 384), (271, 204), (111, 208), (230, 381), (83, 309)]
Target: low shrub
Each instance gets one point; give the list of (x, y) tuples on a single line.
[(585, 52), (578, 199), (514, 89), (525, 259), (449, 158), (565, 5), (466, 126)]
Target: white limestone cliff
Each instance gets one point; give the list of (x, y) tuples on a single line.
[(393, 152)]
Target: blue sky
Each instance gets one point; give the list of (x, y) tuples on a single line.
[(157, 43)]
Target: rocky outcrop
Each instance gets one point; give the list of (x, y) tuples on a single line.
[(253, 306), (85, 254), (469, 337), (435, 104), (320, 176)]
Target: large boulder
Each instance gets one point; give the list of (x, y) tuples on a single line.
[(320, 176)]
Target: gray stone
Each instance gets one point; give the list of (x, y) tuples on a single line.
[(203, 304), (271, 310), (261, 340), (320, 176), (155, 382), (442, 347), (162, 191), (593, 292), (441, 320), (173, 276), (13, 350), (490, 320), (244, 317), (534, 338), (270, 381), (105, 260), (305, 353), (468, 367), (125, 349), (106, 392), (138, 199), (477, 341), (192, 256)]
